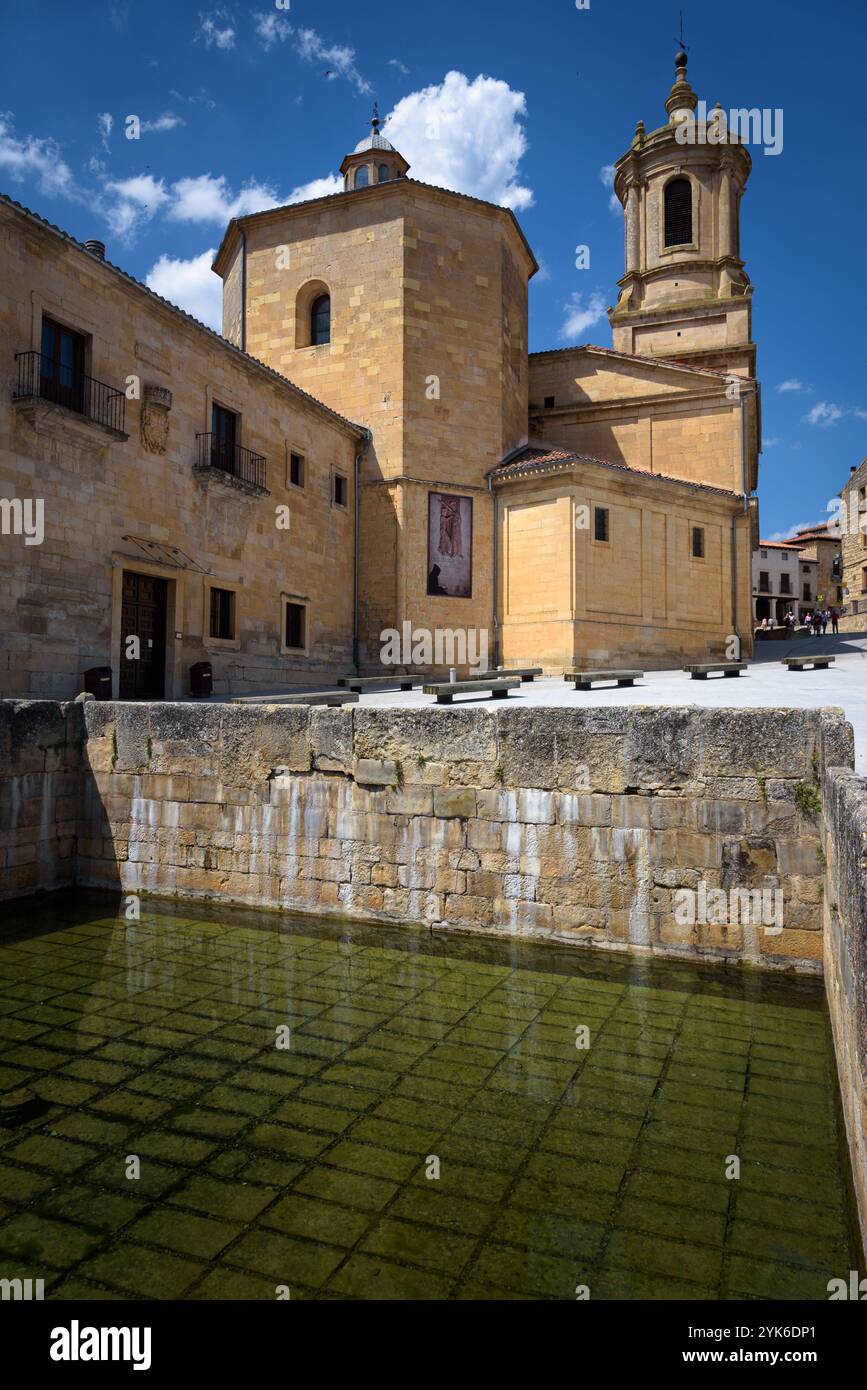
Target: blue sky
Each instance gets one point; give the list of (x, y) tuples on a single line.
[(244, 106)]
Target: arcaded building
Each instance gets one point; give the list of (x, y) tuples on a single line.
[(369, 444)]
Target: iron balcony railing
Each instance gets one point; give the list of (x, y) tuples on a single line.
[(217, 452), (49, 380)]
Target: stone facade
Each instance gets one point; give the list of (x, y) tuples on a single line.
[(641, 595), (853, 543), (428, 349), (132, 501), (403, 307)]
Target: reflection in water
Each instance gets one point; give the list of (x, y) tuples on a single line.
[(310, 1165)]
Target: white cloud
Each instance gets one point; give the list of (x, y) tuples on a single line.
[(581, 316), (771, 443), (212, 34), (339, 59), (201, 96), (209, 199), (132, 202), (465, 136), (316, 188), (104, 124), (860, 414), (542, 274), (167, 121), (272, 28), (792, 384), (401, 67), (791, 533), (192, 285), (824, 413), (606, 174), (33, 157)]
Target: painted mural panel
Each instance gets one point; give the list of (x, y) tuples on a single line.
[(450, 545)]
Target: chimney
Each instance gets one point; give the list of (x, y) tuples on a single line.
[(96, 248), (854, 468)]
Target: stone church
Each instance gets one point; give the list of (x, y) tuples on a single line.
[(603, 496), (369, 444)]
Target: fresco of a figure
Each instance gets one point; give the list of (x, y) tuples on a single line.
[(450, 545)]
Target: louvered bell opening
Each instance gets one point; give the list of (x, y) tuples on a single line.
[(678, 213)]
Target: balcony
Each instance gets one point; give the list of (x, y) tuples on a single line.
[(221, 458), (43, 379)]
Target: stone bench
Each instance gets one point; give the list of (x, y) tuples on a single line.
[(527, 673), (499, 689), (381, 682), (585, 680), (300, 697), (798, 663), (701, 670)]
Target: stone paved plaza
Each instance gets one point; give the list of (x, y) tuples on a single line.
[(308, 1167)]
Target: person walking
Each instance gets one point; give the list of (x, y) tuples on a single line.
[(835, 621), (823, 620), (808, 623)]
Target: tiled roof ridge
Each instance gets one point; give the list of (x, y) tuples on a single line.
[(641, 357), (533, 459)]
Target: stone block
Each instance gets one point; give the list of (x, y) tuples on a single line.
[(376, 772), (454, 801)]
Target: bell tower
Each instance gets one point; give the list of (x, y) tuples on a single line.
[(685, 293)]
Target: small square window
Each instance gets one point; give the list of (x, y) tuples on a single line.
[(698, 542), (294, 626), (600, 523), (296, 470), (549, 402), (222, 623), (339, 490)]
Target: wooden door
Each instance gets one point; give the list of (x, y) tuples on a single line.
[(143, 615)]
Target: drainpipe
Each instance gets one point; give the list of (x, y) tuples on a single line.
[(496, 625), (734, 523), (359, 454), (243, 344)]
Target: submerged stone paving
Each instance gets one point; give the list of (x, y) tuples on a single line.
[(307, 1167)]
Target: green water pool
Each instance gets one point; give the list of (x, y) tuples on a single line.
[(431, 1130)]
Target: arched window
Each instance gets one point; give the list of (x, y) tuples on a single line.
[(384, 173), (320, 320), (362, 176), (678, 212)]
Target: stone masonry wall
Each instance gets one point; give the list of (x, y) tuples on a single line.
[(845, 934), (573, 825), (40, 779)]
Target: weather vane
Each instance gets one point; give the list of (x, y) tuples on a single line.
[(682, 40)]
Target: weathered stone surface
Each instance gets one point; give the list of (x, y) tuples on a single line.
[(132, 732), (331, 739), (439, 735), (454, 801), (376, 772)]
